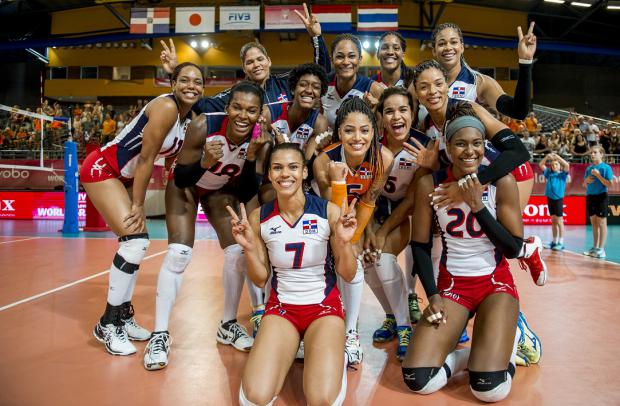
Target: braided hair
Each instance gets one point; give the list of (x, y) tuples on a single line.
[(357, 105)]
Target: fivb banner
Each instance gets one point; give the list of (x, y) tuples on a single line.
[(239, 18)]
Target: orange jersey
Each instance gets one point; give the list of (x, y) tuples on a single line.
[(358, 181)]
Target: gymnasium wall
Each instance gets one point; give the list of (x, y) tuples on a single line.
[(225, 53)]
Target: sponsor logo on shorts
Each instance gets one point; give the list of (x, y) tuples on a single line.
[(452, 295)]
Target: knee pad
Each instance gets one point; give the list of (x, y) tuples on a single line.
[(426, 380), (232, 255), (243, 401), (490, 386), (131, 252), (177, 258), (388, 270)]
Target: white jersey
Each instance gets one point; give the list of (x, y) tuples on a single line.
[(467, 251), (299, 135), (125, 148), (229, 165), (332, 99), (403, 169), (300, 254)]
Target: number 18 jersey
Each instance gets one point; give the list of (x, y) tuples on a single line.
[(300, 253)]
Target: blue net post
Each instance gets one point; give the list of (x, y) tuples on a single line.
[(71, 224)]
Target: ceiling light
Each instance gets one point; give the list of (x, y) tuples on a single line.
[(204, 44), (193, 44), (579, 4), (376, 44), (366, 44), (555, 1)]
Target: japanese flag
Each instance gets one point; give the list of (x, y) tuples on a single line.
[(195, 19)]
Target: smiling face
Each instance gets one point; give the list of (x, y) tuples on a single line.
[(346, 59), (356, 132), (466, 148), (448, 48), (256, 65), (432, 89), (243, 112), (397, 117), (390, 53), (188, 86), (555, 166), (287, 171), (308, 91)]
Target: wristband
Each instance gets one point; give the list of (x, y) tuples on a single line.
[(339, 192), (526, 61)]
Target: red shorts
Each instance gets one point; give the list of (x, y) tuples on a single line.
[(470, 291), (301, 316), (523, 172), (96, 168)]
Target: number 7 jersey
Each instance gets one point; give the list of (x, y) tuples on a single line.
[(300, 253)]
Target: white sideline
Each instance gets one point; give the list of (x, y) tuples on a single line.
[(23, 239), (68, 285)]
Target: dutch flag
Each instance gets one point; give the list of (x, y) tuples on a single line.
[(377, 18), (333, 18)]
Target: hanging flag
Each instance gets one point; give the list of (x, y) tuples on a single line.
[(333, 18), (152, 20), (239, 18), (194, 19), (377, 18), (283, 18)]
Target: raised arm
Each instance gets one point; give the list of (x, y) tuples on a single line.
[(492, 94), (321, 53), (343, 224)]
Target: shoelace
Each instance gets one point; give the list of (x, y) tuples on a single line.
[(415, 304), (237, 330), (388, 324), (160, 343), (352, 338), (403, 337), (256, 319)]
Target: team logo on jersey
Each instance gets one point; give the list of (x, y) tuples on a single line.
[(282, 97), (364, 173), (310, 227), (242, 154), (303, 132), (405, 164), (274, 230), (458, 91), (485, 196)]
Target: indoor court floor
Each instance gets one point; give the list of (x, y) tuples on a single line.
[(53, 289)]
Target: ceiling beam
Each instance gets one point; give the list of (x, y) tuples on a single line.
[(593, 9)]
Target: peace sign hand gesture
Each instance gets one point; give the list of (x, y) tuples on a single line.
[(527, 43), (310, 21), (347, 223), (168, 56), (241, 230)]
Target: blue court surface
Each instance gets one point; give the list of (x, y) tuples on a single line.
[(577, 238)]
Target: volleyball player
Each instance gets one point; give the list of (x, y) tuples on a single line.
[(389, 233), (116, 177), (391, 54), (303, 241), (465, 83), (478, 235), (505, 151), (208, 171), (356, 166)]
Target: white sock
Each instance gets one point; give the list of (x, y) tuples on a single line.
[(124, 268), (243, 401), (391, 278), (352, 297), (256, 293), (457, 360), (233, 281), (343, 387), (561, 240), (409, 278), (169, 281), (371, 278)]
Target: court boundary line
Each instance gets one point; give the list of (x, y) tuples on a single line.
[(22, 239), (585, 256), (67, 285)]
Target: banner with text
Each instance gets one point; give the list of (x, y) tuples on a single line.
[(574, 185), (537, 212), (239, 18)]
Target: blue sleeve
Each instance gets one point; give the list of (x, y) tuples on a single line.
[(321, 53), (564, 175), (546, 173), (588, 171), (607, 173)]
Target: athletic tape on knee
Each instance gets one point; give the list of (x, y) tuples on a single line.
[(243, 401), (131, 252), (426, 380), (177, 258), (490, 386)]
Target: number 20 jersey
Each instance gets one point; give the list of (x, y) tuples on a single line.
[(300, 253), (467, 251)]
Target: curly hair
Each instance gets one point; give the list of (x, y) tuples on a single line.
[(308, 69)]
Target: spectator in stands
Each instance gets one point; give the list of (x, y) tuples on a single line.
[(591, 132), (597, 179), (87, 125), (582, 124), (120, 123), (108, 128), (542, 146), (97, 112), (554, 142), (564, 150), (579, 147), (556, 176), (531, 122), (528, 142), (605, 137), (615, 143), (77, 112)]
